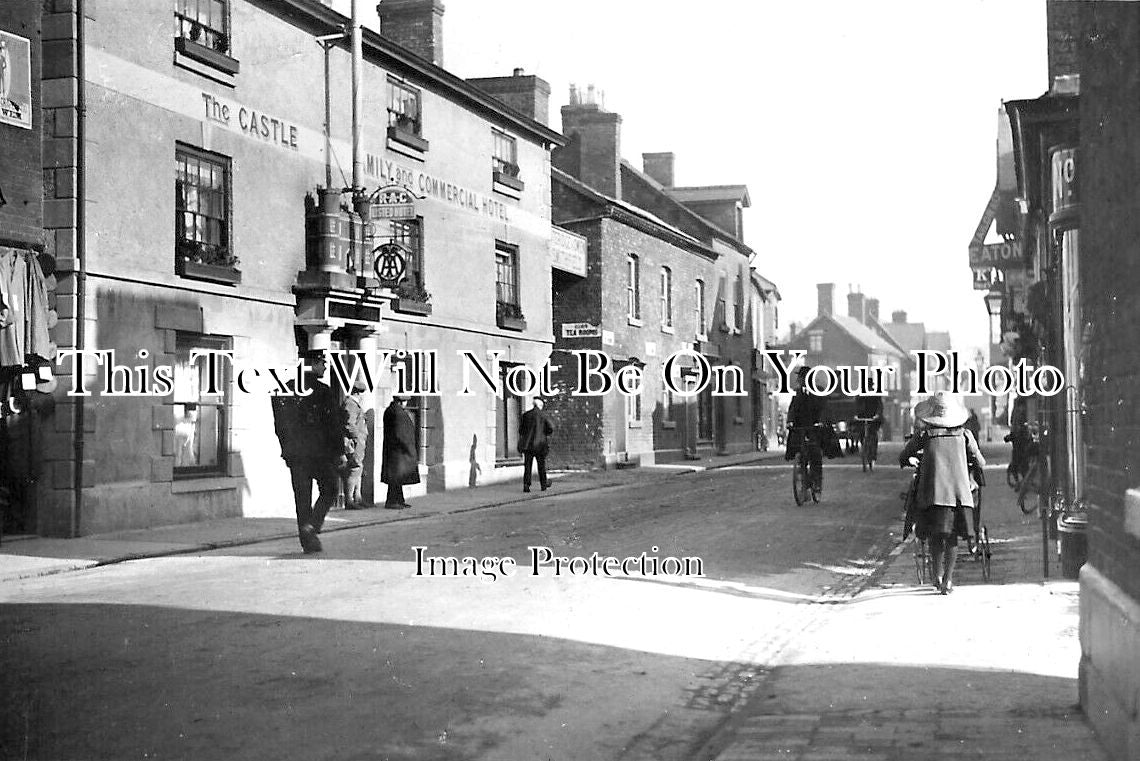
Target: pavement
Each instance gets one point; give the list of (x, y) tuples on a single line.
[(881, 668), (31, 556), (894, 671)]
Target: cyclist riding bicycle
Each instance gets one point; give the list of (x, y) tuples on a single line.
[(869, 413), (804, 412)]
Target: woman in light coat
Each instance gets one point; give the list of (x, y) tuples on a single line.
[(945, 488)]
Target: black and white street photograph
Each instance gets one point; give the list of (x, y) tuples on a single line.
[(608, 380)]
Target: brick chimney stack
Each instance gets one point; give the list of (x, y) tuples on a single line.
[(872, 311), (899, 316), (416, 25), (856, 307), (826, 299), (659, 166), (594, 152), (525, 93)]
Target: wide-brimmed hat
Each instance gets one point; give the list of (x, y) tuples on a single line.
[(944, 410)]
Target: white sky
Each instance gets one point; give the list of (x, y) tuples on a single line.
[(865, 131)]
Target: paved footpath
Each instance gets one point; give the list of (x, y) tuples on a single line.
[(898, 672)]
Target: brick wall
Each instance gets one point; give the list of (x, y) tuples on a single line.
[(20, 178), (416, 25), (1109, 163), (1062, 34)]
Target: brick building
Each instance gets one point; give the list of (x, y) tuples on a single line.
[(854, 339), (667, 272), (207, 212), (1109, 367)]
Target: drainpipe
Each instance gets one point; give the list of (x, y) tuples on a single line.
[(81, 255), (357, 99)]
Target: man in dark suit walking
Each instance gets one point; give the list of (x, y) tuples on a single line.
[(311, 433), (534, 428), (400, 459)]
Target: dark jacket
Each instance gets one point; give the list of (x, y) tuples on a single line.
[(806, 409), (400, 460), (534, 427), (869, 406), (309, 427)]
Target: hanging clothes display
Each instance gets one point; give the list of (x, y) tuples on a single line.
[(23, 309)]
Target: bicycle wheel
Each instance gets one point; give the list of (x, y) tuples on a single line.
[(984, 553), (1028, 484), (799, 479)]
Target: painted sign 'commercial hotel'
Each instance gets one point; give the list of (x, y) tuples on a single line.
[(208, 213)]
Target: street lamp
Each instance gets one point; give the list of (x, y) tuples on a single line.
[(994, 302)]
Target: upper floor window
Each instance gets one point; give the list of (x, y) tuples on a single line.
[(699, 307), (815, 342), (633, 287), (504, 156), (205, 22), (404, 108), (409, 234), (508, 310), (666, 297), (202, 224)]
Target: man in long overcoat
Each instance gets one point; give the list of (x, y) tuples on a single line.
[(534, 428), (400, 463), (310, 432)]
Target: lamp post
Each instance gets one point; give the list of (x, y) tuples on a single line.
[(994, 301)]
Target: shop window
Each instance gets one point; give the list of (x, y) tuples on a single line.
[(505, 161), (203, 33), (201, 413), (699, 308), (666, 297), (633, 288), (202, 203)]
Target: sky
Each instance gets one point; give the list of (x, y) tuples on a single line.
[(865, 131)]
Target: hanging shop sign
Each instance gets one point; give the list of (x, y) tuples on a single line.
[(1004, 255), (15, 80), (390, 262), (986, 278), (1063, 161), (392, 202)]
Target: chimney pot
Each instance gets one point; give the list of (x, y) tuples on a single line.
[(518, 72)]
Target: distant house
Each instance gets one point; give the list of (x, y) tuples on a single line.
[(855, 339)]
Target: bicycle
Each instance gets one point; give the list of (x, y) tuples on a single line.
[(804, 486), (1036, 480), (869, 442)]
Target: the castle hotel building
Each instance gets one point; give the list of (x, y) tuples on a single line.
[(207, 213)]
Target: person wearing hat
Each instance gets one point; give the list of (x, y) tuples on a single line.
[(355, 445), (534, 430), (399, 453), (945, 489), (805, 411), (311, 435)]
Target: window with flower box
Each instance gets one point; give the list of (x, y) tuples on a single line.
[(202, 220), (405, 116), (203, 35)]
